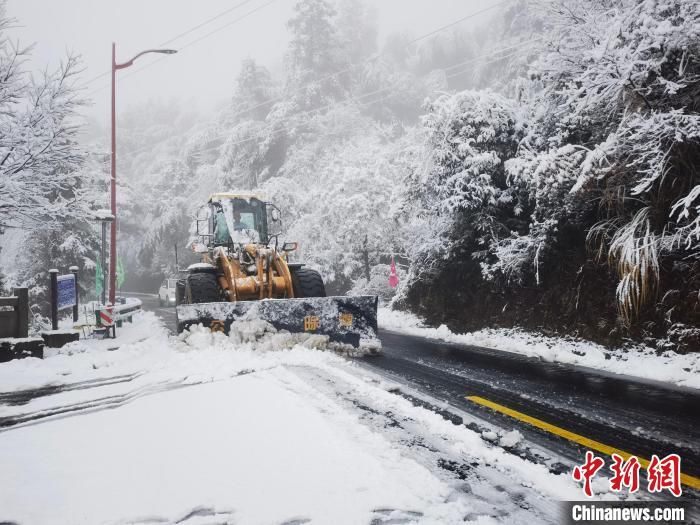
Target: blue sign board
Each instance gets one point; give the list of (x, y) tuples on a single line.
[(66, 291)]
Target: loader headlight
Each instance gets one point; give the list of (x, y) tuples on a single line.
[(289, 246)]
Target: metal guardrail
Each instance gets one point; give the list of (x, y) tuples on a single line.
[(119, 313), (124, 312)]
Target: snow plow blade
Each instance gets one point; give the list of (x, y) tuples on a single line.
[(348, 320)]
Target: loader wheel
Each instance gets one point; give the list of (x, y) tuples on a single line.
[(307, 283), (202, 288), (180, 285)]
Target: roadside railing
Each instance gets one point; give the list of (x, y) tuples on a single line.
[(108, 318)]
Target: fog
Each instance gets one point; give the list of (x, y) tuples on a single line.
[(202, 74), (528, 163)]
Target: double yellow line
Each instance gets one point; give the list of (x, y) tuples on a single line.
[(591, 444)]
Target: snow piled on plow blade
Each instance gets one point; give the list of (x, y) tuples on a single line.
[(345, 320)]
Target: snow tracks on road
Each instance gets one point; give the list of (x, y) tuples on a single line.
[(252, 428)]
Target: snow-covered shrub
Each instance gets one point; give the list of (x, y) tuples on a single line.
[(471, 133), (378, 283), (463, 193)]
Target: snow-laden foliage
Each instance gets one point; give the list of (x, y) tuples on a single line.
[(511, 163), (339, 202), (254, 90), (50, 186), (70, 241), (38, 136), (465, 197), (378, 283), (602, 137), (624, 77), (314, 56), (471, 134)]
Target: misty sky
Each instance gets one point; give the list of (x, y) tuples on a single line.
[(203, 73)]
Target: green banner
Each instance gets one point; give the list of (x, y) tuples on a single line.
[(99, 278), (121, 275)]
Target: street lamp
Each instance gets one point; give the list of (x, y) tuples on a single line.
[(113, 236)]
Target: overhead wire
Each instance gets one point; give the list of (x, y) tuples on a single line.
[(206, 22), (207, 35), (372, 58), (177, 37), (185, 46), (353, 66), (12, 226), (365, 95), (356, 98)]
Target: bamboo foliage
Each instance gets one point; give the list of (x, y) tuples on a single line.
[(634, 253)]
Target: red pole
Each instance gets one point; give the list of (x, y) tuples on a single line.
[(113, 184), (113, 237)]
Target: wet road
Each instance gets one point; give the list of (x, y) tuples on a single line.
[(638, 417), (563, 408)]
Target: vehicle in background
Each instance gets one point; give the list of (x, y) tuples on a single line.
[(166, 292)]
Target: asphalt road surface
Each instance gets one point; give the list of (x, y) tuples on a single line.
[(562, 408)]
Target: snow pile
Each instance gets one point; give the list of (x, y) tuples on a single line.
[(262, 336), (207, 427), (638, 361)]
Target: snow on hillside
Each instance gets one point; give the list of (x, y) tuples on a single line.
[(638, 361), (252, 428)]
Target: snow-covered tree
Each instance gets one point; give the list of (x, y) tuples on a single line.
[(252, 98), (605, 148), (72, 241), (621, 78), (464, 196), (337, 189), (314, 56), (38, 136), (357, 29)]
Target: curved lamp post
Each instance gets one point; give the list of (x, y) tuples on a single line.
[(113, 184)]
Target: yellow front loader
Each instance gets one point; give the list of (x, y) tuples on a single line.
[(245, 275)]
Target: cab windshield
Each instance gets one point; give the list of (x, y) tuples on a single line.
[(239, 221)]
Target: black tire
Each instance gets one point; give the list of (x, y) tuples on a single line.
[(160, 301), (202, 288), (180, 285), (307, 283)]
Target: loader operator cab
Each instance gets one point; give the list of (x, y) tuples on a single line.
[(237, 220)]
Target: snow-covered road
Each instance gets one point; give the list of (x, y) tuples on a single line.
[(576, 385), (213, 429)]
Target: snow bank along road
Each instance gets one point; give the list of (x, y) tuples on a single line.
[(508, 390)]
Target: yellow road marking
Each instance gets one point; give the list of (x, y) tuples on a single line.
[(686, 479)]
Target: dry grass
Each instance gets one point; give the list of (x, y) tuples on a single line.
[(633, 250)]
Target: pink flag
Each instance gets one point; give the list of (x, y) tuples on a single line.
[(393, 278)]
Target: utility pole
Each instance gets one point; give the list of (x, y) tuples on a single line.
[(113, 178), (113, 189)]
